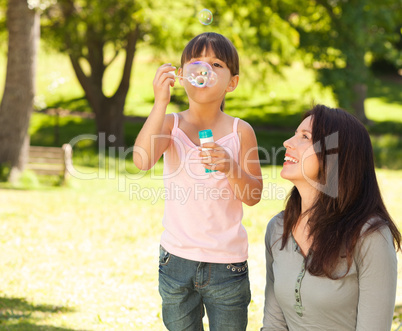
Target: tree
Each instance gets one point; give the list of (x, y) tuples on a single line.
[(85, 30), (19, 90), (93, 33), (89, 31), (338, 37), (266, 42)]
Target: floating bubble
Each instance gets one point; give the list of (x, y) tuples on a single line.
[(200, 74), (205, 16)]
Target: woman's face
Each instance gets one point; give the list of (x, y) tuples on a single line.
[(301, 163)]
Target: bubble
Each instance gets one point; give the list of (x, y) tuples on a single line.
[(212, 79), (205, 16), (200, 74)]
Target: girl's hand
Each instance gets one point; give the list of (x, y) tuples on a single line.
[(216, 158), (162, 82)]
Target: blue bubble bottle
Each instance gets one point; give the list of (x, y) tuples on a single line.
[(206, 137)]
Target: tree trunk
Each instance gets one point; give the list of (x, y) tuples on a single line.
[(110, 121), (360, 94), (16, 107), (109, 117), (109, 112)]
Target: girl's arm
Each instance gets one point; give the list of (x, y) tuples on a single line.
[(154, 136), (378, 273), (244, 177)]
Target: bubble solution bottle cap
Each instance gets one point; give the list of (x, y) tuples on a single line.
[(205, 134), (206, 137)]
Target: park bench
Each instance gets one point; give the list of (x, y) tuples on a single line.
[(51, 160)]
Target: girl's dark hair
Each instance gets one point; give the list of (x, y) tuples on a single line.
[(222, 47), (336, 219)]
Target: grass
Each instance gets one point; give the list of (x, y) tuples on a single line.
[(87, 259)]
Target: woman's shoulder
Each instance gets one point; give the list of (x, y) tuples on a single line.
[(375, 236), (277, 220), (275, 227), (375, 227)]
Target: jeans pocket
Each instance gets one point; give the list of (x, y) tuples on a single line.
[(164, 256)]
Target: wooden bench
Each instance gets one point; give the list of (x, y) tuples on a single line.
[(51, 160)]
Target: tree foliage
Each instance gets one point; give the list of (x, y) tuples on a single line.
[(85, 30), (94, 32), (265, 41), (339, 37)]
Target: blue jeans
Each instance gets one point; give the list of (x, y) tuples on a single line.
[(187, 286)]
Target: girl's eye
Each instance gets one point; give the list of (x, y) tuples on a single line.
[(305, 137), (217, 65)]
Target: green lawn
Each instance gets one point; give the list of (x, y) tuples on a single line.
[(85, 257)]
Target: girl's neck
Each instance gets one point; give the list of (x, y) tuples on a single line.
[(204, 117)]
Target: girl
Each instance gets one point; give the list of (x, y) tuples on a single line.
[(204, 246), (330, 256)]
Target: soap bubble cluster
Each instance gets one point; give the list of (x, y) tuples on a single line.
[(200, 74)]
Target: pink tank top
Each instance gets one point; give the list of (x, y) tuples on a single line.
[(202, 218)]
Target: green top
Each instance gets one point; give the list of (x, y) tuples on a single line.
[(363, 300)]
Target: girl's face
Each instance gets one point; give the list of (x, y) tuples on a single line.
[(225, 81), (301, 163)]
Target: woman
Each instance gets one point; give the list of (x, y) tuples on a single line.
[(330, 255)]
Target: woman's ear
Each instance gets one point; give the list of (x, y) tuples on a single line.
[(233, 83)]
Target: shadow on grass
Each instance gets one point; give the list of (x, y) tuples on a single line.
[(51, 133), (386, 127), (273, 121), (32, 327), (18, 314), (78, 104), (273, 114)]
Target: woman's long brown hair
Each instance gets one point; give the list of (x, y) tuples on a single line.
[(349, 195)]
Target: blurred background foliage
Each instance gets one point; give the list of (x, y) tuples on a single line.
[(293, 53)]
